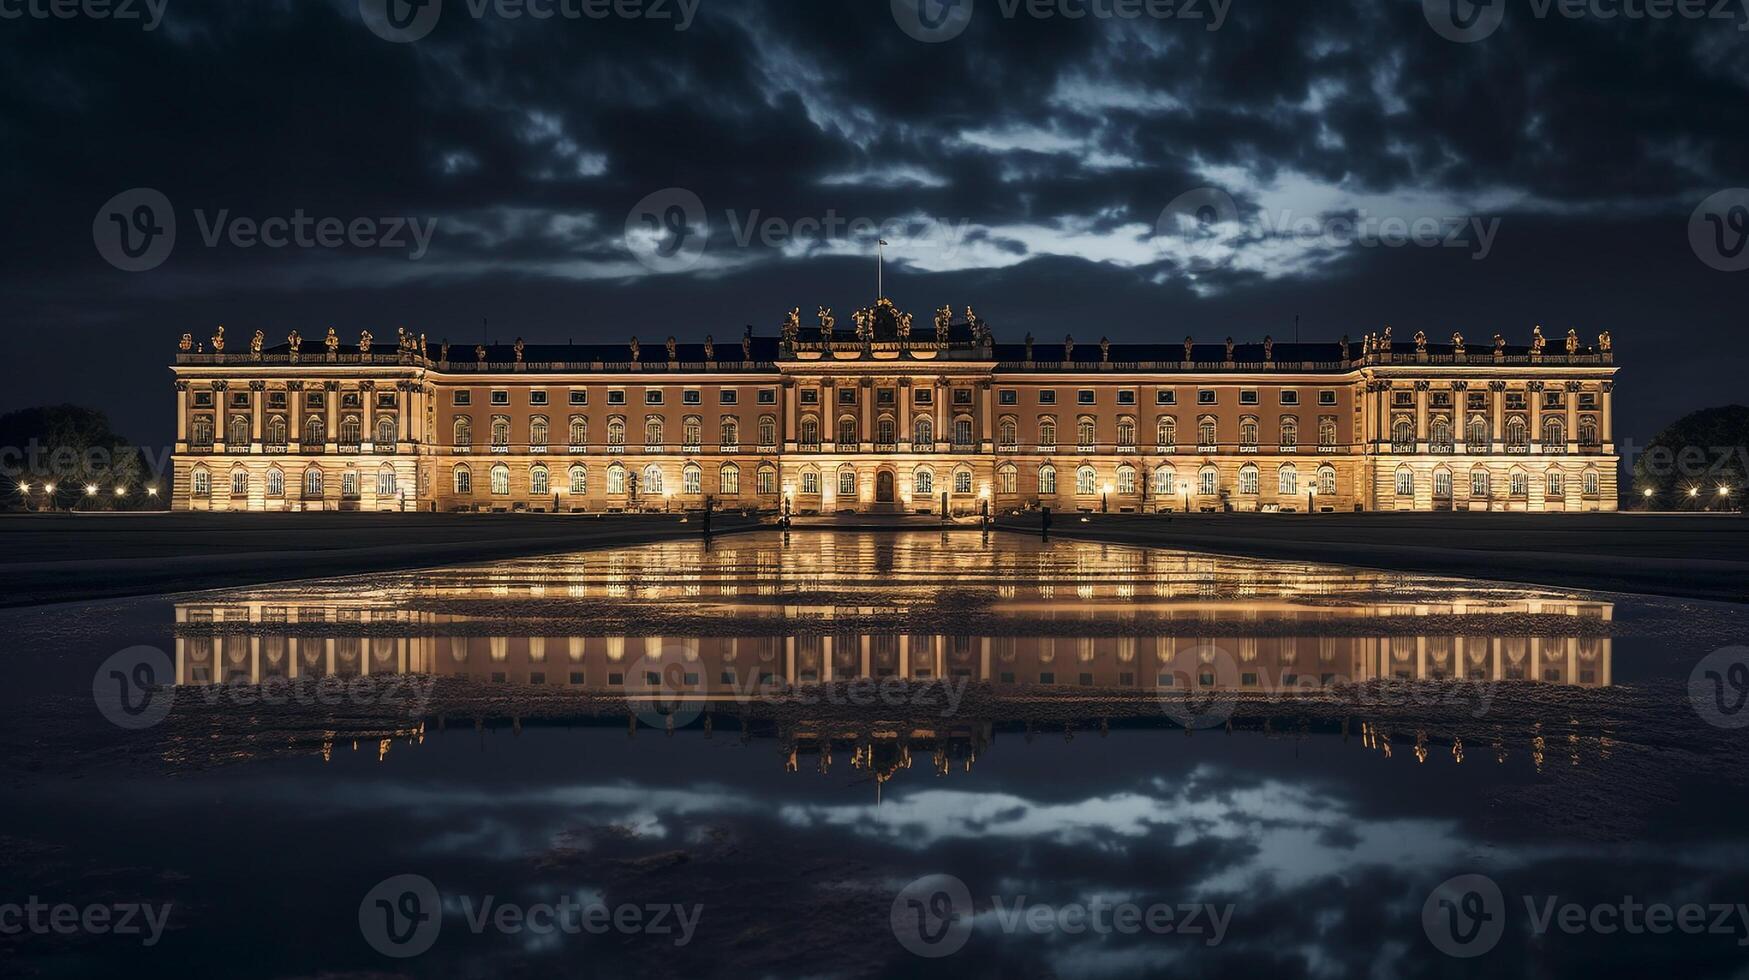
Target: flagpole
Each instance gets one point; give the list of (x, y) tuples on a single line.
[(880, 263)]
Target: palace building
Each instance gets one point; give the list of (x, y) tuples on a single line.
[(885, 417)]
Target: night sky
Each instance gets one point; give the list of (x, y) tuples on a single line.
[(1037, 168)]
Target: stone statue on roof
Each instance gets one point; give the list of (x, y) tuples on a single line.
[(827, 323), (1068, 347), (296, 341), (256, 343), (710, 348), (1268, 347), (219, 339), (634, 346), (1457, 343), (518, 347), (1420, 341), (364, 342), (1189, 344), (332, 341), (1229, 349), (747, 338), (1499, 344), (1104, 349), (943, 319), (904, 326), (480, 353), (1385, 340), (1604, 343), (1029, 346), (1537, 341), (864, 320), (1572, 341), (187, 343), (792, 327)]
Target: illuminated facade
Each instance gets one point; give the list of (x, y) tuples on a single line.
[(887, 418)]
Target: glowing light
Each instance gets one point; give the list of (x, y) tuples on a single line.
[(48, 488), (24, 488), (151, 491), (91, 490), (1724, 491), (1647, 493), (1693, 491), (121, 491)]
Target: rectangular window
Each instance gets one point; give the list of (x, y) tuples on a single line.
[(1247, 397), (1126, 398), (276, 399), (579, 397), (1326, 398), (690, 397), (500, 397), (1084, 396), (1166, 396), (846, 396), (462, 398), (728, 396), (962, 396), (1047, 397), (537, 398), (652, 396), (203, 399), (616, 398), (766, 396), (810, 396), (924, 396), (1290, 396), (1205, 396), (1007, 396)]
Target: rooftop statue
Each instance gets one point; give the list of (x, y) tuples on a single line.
[(792, 327), (1420, 341), (1068, 347), (1457, 342), (518, 347), (1499, 344), (296, 341), (827, 323), (1189, 346), (1268, 347), (256, 343), (364, 342), (1104, 349), (747, 341), (1537, 341), (1572, 341), (187, 343), (634, 346), (710, 348), (219, 339), (1604, 343), (480, 353)]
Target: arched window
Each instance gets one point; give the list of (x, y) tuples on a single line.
[(1517, 434), (464, 480), (1403, 434), (1439, 434), (349, 484), (1047, 479), (239, 483), (500, 433), (765, 479), (537, 434), (1205, 434), (1555, 483), (579, 482), (312, 482), (1442, 483), (239, 434), (729, 479), (652, 433), (1166, 434), (767, 432), (846, 431), (691, 433), (500, 479), (385, 482), (1165, 481), (200, 482), (1006, 479), (1126, 433), (1477, 434), (464, 433), (962, 481), (616, 434), (1287, 481), (1479, 483), (1247, 435), (847, 483), (1248, 478), (1554, 434), (1086, 481), (1518, 483), (1007, 434), (1290, 434), (811, 483), (1085, 433), (729, 431), (1047, 435), (616, 479), (386, 430), (810, 432), (351, 430), (200, 432), (538, 484), (579, 438), (1588, 483), (276, 432), (923, 434), (315, 431), (652, 480), (1126, 479), (962, 432), (1326, 433), (1405, 482), (1208, 481), (691, 479), (1588, 432), (1327, 480)]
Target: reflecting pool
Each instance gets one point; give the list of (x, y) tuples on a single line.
[(846, 754)]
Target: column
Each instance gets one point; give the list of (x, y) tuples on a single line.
[(1497, 398), (181, 415), (943, 394), (986, 421), (1571, 399), (330, 408), (865, 399), (1535, 394), (904, 415), (256, 395), (1421, 416), (1606, 418), (404, 394)]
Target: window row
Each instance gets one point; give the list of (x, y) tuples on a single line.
[(577, 435), (275, 431), (313, 482), (1477, 434), (620, 480), (1555, 483)]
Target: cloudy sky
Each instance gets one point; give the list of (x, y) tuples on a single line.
[(1201, 168)]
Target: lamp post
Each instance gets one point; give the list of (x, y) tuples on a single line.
[(1646, 494), (1311, 493)]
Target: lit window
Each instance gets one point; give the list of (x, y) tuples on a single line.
[(500, 479)]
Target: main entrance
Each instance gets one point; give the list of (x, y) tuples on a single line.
[(884, 487)]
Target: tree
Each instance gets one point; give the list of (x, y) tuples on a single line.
[(1687, 463), (71, 449)]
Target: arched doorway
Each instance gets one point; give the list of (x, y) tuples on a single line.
[(884, 487)]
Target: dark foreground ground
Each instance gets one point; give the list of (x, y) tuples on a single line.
[(65, 558), (1702, 556)]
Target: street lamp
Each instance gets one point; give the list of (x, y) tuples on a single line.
[(1311, 492)]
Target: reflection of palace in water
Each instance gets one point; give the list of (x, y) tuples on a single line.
[(253, 641)]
